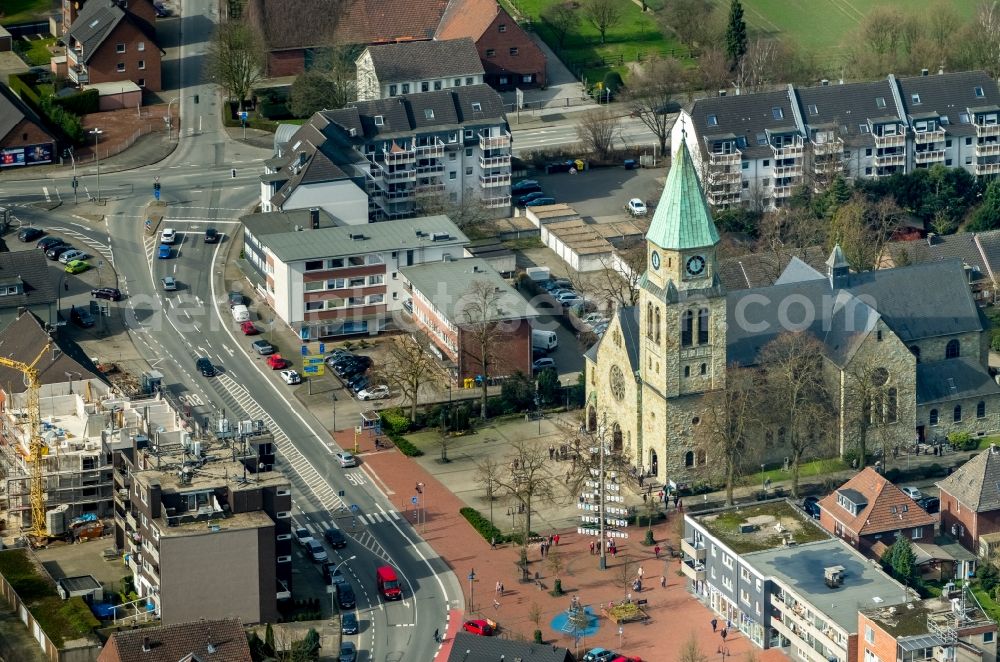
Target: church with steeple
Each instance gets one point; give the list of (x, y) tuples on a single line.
[(912, 337)]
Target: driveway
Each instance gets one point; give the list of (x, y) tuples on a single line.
[(563, 89), (600, 194)]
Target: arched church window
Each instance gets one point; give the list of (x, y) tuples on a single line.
[(952, 350), (703, 326), (891, 405), (689, 459), (649, 320), (933, 417), (981, 410), (657, 331), (957, 414), (687, 324)]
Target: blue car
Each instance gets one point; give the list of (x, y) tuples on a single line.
[(525, 199), (164, 252), (538, 202), (599, 655)]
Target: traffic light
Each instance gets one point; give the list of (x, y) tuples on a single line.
[(156, 186), (233, 172)]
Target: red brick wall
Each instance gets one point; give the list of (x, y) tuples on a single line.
[(286, 63), (974, 526), (143, 9), (103, 65), (27, 133), (511, 352), (421, 311), (529, 58), (827, 521), (884, 645)]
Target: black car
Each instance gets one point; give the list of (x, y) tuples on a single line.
[(45, 243), (81, 317), (30, 234), (811, 505), (332, 574), (349, 623), (358, 382), (525, 186), (345, 596), (54, 252), (205, 367), (109, 293), (336, 538), (236, 299), (211, 236), (930, 504), (349, 369)]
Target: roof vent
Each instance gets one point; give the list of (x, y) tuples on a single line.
[(440, 236), (924, 72), (352, 132), (145, 645), (833, 576), (420, 233), (357, 237), (722, 93), (825, 82)]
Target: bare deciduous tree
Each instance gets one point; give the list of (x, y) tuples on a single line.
[(650, 95), (870, 410), (482, 319), (796, 400), (470, 214), (713, 70), (731, 426), (603, 15), (620, 286), (235, 59), (562, 19), (756, 69), (863, 229), (691, 651), (597, 131), (693, 21), (988, 21), (527, 480), (407, 367)]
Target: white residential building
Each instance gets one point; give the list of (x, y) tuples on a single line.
[(390, 70), (758, 148)]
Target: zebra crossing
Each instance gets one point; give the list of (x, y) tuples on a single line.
[(103, 250), (304, 476)]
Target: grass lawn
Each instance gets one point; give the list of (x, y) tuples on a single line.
[(23, 11), (38, 54), (822, 26), (814, 468), (637, 36), (726, 526)]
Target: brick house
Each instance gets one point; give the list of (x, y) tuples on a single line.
[(869, 509), (24, 140), (509, 55), (112, 42), (970, 499), (218, 640), (447, 308)]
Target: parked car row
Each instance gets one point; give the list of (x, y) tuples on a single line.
[(563, 292), (529, 194), (605, 655), (57, 249), (354, 371), (596, 322)]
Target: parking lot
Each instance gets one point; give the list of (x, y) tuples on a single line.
[(600, 194)]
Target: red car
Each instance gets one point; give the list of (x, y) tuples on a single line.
[(276, 362), (249, 329), (480, 627), (626, 659)]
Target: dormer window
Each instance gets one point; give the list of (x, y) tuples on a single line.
[(863, 128), (477, 107), (852, 501), (916, 99), (428, 113), (880, 102), (10, 290), (777, 113), (379, 120), (761, 138), (813, 110), (980, 93)]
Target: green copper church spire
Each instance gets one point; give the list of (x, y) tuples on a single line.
[(682, 220)]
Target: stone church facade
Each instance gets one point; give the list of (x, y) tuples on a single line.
[(911, 339)]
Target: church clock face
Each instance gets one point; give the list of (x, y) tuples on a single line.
[(617, 383), (655, 260), (695, 265)]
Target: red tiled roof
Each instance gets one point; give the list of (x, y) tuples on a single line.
[(888, 509), (218, 641), (467, 18)]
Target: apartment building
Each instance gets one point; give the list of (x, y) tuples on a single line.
[(396, 157), (757, 149), (389, 70), (205, 531), (782, 581), (113, 41), (950, 628), (459, 304), (338, 281)]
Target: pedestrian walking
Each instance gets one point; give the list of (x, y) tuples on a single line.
[(639, 572), (437, 635), (656, 551), (614, 551), (725, 633), (497, 591), (680, 506), (552, 452), (677, 500), (663, 581), (503, 591), (555, 539), (496, 605), (729, 624), (715, 624), (66, 285), (493, 542), (592, 545)]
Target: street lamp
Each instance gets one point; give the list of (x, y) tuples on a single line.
[(333, 573), (763, 484), (169, 120), (97, 154)]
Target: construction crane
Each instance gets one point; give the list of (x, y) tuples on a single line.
[(36, 445)]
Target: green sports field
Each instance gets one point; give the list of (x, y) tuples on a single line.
[(821, 25)]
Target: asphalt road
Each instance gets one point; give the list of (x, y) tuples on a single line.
[(171, 329)]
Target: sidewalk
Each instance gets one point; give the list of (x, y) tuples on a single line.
[(147, 150), (464, 550)]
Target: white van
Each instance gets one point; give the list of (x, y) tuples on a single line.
[(544, 340), (241, 313)]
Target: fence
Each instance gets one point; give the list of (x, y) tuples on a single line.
[(104, 151)]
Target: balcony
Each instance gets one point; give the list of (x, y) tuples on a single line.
[(130, 520), (693, 570), (895, 140), (827, 166), (427, 190), (399, 157), (988, 149), (405, 194), (692, 549), (497, 202), (78, 74), (930, 156), (121, 497), (791, 151), (723, 198), (724, 176), (888, 160), (927, 137), (727, 159), (782, 191), (150, 552), (494, 142), (821, 634), (788, 171), (486, 163), (400, 175), (434, 150), (987, 168), (132, 563), (492, 181), (828, 148), (430, 170), (984, 130)]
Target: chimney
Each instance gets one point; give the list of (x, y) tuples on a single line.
[(924, 72), (314, 217), (930, 238), (941, 70), (840, 82), (145, 645), (825, 82)]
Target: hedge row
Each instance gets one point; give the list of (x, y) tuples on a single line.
[(404, 445), (22, 86), (82, 103), (481, 524)]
